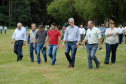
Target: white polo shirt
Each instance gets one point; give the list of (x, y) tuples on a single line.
[(82, 30), (120, 30)]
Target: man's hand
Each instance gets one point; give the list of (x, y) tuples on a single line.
[(100, 47), (24, 43), (12, 41), (27, 44), (57, 46), (63, 45), (45, 45), (77, 45), (82, 43), (34, 46)]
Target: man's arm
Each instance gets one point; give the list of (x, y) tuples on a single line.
[(64, 39), (47, 39), (59, 39), (24, 38), (100, 43), (13, 37), (85, 40), (34, 43), (28, 39)]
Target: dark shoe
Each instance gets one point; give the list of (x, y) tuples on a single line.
[(98, 65), (106, 63)]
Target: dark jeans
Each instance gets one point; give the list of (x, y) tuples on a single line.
[(1, 30), (52, 53), (17, 49), (120, 38), (31, 51), (40, 47), (109, 48), (91, 51), (71, 46)]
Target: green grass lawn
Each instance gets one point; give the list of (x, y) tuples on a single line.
[(25, 72)]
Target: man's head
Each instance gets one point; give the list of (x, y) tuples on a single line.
[(71, 21), (90, 24), (33, 26), (64, 28), (53, 26), (40, 28), (111, 24), (120, 26), (102, 25), (19, 25), (81, 26)]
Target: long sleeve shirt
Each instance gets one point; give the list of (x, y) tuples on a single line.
[(72, 34), (19, 34), (93, 35)]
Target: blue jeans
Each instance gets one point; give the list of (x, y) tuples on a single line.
[(110, 48), (103, 37), (71, 46), (17, 49), (91, 51), (1, 31), (31, 51), (40, 47), (5, 31), (52, 53)]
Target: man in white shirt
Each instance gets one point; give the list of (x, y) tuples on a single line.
[(19, 36), (120, 33), (1, 28), (5, 29), (82, 33), (93, 37)]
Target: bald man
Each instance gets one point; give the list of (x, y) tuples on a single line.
[(93, 37), (19, 36)]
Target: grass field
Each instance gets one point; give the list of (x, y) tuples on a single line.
[(25, 72)]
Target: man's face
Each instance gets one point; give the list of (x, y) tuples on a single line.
[(19, 26), (40, 29), (53, 27), (71, 23), (120, 26), (81, 26), (102, 26), (90, 25), (33, 27)]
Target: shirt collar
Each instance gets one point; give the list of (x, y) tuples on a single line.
[(92, 28), (34, 30), (72, 27)]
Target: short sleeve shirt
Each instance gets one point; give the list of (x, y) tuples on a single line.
[(41, 36), (53, 37)]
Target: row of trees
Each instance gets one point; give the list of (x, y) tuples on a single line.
[(48, 11), (83, 10)]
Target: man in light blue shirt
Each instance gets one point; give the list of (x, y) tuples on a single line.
[(72, 36), (102, 29), (5, 29), (1, 28), (19, 36)]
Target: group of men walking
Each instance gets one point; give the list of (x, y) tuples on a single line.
[(3, 28), (38, 38)]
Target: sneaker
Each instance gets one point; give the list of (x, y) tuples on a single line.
[(97, 65)]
